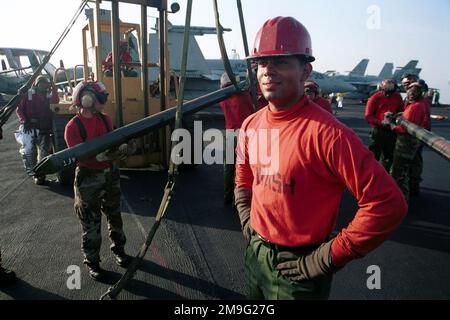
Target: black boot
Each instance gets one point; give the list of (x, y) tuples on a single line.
[(7, 277), (95, 272), (122, 259), (39, 180)]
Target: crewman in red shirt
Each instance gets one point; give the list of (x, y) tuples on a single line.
[(312, 91), (407, 147), (235, 110), (387, 99), (416, 167), (294, 160), (97, 184), (125, 60), (36, 124)]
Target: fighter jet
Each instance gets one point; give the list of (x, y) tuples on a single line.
[(366, 85), (18, 64), (17, 67)]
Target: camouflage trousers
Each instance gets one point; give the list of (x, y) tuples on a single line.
[(416, 172), (406, 149), (98, 192), (382, 145)]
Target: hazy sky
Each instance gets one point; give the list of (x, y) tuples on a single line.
[(343, 31)]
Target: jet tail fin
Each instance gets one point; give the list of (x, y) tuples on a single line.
[(386, 72), (360, 68), (409, 68)]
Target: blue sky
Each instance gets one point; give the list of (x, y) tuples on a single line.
[(341, 38)]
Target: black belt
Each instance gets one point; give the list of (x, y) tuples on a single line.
[(277, 247)]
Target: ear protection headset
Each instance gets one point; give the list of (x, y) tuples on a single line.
[(88, 99)]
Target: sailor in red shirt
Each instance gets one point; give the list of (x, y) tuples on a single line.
[(36, 126), (235, 110), (125, 60), (407, 163), (288, 205), (312, 91), (387, 99), (97, 184)]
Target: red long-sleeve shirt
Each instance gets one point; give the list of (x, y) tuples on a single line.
[(236, 109), (417, 113), (125, 58), (296, 202), (94, 127), (378, 104), (36, 112)]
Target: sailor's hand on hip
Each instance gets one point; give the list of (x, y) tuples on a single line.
[(298, 267)]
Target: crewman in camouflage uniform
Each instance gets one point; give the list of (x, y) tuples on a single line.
[(407, 146), (417, 164), (416, 168), (97, 184)]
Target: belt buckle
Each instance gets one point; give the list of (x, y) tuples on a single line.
[(263, 239)]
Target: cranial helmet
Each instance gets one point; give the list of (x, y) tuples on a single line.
[(97, 89)]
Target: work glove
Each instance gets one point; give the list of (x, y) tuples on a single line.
[(388, 120), (298, 267), (243, 200), (109, 155), (127, 149), (121, 153)]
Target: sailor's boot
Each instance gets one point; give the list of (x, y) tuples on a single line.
[(122, 259), (7, 277), (95, 272)]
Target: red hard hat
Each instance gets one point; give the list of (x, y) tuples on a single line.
[(312, 85), (97, 87), (282, 36)]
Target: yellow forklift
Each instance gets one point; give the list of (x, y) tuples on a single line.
[(131, 97)]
